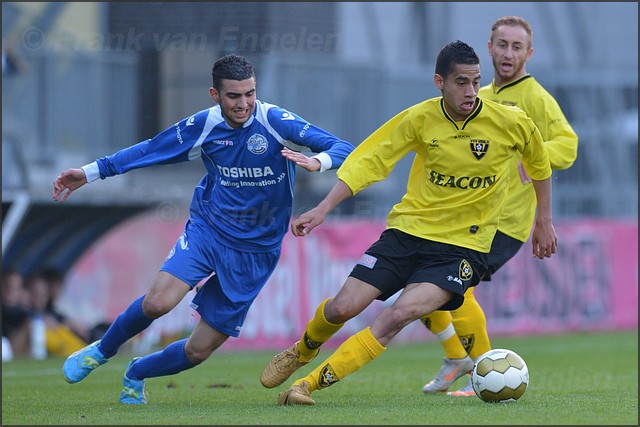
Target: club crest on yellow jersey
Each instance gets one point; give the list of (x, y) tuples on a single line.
[(479, 147)]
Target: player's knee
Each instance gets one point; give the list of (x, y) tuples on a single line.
[(402, 316), (155, 307), (338, 311), (196, 355)]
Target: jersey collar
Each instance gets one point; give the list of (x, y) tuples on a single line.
[(470, 117), (497, 90)]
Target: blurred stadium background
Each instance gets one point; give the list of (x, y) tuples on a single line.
[(83, 80)]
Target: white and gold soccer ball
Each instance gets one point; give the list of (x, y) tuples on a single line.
[(500, 375)]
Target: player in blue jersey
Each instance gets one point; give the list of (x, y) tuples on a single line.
[(239, 215)]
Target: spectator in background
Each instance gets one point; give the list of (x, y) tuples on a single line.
[(60, 339), (16, 315), (55, 281)]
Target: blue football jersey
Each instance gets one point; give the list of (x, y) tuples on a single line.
[(246, 196)]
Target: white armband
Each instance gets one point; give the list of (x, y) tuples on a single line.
[(91, 171), (325, 161)]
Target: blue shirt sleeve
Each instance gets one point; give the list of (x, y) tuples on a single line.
[(172, 145), (300, 132)]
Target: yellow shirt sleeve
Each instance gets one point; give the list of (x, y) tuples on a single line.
[(374, 158)]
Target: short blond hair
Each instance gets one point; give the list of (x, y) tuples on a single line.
[(513, 21)]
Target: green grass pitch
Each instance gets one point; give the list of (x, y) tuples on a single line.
[(581, 378)]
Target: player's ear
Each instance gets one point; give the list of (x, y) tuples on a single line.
[(529, 53), (438, 81), (214, 95)]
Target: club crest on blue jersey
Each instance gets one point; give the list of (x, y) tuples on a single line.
[(479, 147), (257, 144)]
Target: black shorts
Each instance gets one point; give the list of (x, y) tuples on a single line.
[(398, 259), (503, 248)]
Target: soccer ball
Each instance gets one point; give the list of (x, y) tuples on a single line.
[(500, 375)]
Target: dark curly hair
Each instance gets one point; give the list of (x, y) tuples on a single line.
[(231, 67), (453, 54)]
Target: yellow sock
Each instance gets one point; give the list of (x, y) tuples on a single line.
[(317, 332), (471, 326), (353, 354), (440, 323)]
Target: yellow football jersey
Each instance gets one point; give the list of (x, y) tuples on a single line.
[(560, 140), (458, 182)]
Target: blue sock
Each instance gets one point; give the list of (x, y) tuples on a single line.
[(169, 361), (127, 325)]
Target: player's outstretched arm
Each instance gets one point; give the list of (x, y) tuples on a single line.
[(543, 238), (311, 219), (68, 181)]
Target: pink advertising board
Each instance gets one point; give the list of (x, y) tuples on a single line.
[(590, 284)]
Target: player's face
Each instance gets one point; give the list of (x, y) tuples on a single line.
[(460, 90), (510, 50), (237, 99)]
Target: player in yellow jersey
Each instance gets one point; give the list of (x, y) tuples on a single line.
[(437, 238), (463, 332)]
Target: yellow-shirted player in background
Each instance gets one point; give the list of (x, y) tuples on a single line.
[(463, 332), (437, 238)]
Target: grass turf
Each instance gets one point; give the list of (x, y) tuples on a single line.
[(582, 378)]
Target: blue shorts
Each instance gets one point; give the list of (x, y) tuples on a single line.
[(225, 298)]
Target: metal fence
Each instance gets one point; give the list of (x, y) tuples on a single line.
[(83, 106), (603, 182), (74, 105)]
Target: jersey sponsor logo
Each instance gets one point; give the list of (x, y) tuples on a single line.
[(191, 121), (479, 147), (456, 279), (235, 172), (184, 245), (287, 116), (178, 134), (222, 142), (304, 130), (367, 261), (465, 270), (257, 144), (327, 376), (462, 182)]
